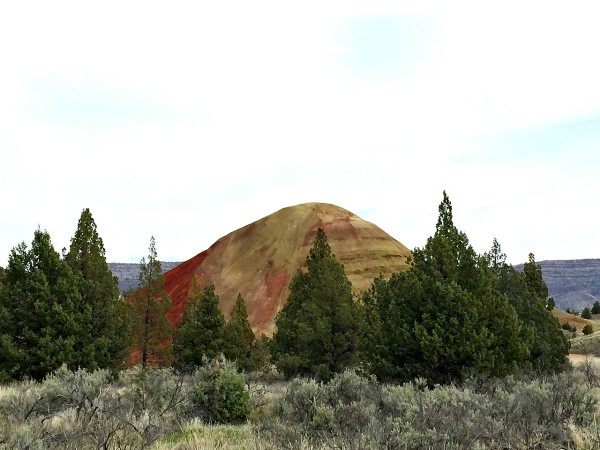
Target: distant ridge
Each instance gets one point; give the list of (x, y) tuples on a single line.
[(129, 273), (260, 259), (574, 283)]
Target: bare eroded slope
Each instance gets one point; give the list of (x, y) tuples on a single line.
[(260, 259)]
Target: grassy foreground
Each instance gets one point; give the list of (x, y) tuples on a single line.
[(197, 436), (156, 410)]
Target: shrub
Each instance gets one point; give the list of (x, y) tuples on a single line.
[(588, 329), (351, 412), (220, 394), (79, 410)]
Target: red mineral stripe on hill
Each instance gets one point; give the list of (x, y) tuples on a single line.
[(260, 259)]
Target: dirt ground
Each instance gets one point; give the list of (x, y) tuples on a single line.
[(578, 359)]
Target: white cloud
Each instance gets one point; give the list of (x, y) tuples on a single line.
[(189, 120)]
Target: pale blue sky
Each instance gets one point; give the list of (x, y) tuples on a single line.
[(188, 120)]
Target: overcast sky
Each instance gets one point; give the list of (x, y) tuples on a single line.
[(188, 120)]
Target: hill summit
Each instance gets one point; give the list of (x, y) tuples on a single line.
[(259, 260)]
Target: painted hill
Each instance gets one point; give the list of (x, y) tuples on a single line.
[(260, 259)]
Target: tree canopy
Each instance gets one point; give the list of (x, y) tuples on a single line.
[(528, 294), (200, 332), (448, 317), (44, 322), (239, 342), (108, 328), (152, 331), (317, 329)]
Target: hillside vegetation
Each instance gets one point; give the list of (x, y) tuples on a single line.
[(159, 409), (455, 349)]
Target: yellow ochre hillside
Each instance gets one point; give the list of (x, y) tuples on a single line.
[(260, 259)]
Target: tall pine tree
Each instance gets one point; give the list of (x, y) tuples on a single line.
[(201, 329), (99, 288), (317, 329), (152, 331)]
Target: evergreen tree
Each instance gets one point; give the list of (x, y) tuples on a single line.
[(2, 276), (239, 340), (201, 329), (261, 354), (525, 291), (7, 349), (99, 288), (496, 258), (444, 318), (152, 331), (42, 317), (317, 329), (534, 279), (586, 313), (596, 307)]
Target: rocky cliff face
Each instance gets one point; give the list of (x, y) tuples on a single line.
[(574, 284), (129, 273), (260, 259)]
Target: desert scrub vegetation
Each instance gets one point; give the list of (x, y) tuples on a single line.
[(355, 412), (81, 410), (216, 407)]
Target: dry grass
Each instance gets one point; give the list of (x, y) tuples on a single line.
[(589, 344), (7, 390), (578, 359), (577, 321), (195, 436)]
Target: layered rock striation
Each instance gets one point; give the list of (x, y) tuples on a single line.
[(260, 259)]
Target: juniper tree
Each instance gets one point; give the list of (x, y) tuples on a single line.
[(317, 329), (152, 331), (443, 318), (200, 332), (527, 293), (8, 353), (43, 317), (239, 342), (99, 288)]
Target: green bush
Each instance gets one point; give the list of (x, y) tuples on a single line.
[(588, 329), (220, 394)]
